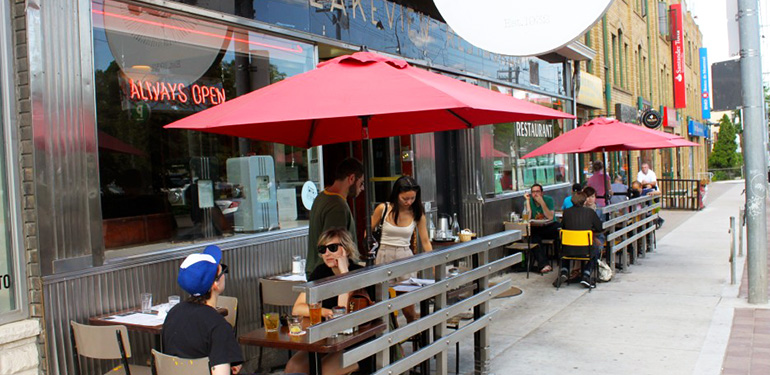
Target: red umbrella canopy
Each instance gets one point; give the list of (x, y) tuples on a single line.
[(603, 134), (326, 105)]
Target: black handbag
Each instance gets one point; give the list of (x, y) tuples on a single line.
[(377, 233)]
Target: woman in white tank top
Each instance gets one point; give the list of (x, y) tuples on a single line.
[(404, 214)]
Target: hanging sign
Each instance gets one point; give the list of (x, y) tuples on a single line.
[(651, 118), (677, 55), (705, 103)]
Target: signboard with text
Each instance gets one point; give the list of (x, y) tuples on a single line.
[(677, 55), (696, 129), (705, 102), (669, 118)]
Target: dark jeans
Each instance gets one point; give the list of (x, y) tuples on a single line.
[(547, 232), (588, 267)]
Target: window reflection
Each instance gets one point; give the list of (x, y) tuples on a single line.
[(155, 67)]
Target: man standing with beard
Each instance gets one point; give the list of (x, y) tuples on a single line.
[(330, 208)]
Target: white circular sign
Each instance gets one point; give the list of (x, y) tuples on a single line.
[(309, 192), (521, 28)]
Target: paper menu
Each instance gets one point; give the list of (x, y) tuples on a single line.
[(137, 318)]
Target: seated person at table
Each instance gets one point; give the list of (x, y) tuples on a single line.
[(638, 191), (619, 190), (568, 200), (339, 255), (194, 328), (541, 208), (579, 217)]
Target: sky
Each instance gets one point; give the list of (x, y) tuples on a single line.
[(711, 16)]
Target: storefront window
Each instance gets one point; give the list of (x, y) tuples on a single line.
[(153, 67), (514, 140)]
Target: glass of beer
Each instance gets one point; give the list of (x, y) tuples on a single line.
[(315, 313), (271, 322)]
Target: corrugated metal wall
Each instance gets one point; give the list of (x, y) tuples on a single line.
[(471, 182), (106, 289)]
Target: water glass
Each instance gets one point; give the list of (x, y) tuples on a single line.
[(146, 299), (295, 326), (338, 312), (173, 300), (315, 313), (271, 322)]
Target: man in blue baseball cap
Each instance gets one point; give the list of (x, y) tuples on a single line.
[(194, 328)]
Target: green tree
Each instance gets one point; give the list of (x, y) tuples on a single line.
[(724, 155)]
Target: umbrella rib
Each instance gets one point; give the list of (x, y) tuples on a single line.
[(312, 131), (468, 124)]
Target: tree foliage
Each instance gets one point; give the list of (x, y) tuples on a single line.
[(724, 154)]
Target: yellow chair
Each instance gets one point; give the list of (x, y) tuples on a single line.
[(576, 245)]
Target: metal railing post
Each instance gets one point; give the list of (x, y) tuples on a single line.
[(732, 250)]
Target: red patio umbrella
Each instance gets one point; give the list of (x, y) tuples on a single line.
[(361, 96), (604, 134)]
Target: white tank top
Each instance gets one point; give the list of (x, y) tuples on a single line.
[(393, 235)]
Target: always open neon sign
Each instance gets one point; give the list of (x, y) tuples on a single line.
[(160, 91)]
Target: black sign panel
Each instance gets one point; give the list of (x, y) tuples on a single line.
[(726, 84), (651, 118), (626, 113)]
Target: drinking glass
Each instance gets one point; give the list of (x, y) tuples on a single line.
[(271, 322), (315, 313), (173, 300), (338, 312), (146, 299), (295, 326)]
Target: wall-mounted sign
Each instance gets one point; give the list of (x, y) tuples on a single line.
[(626, 113), (705, 103), (677, 55), (669, 118), (542, 26), (534, 129), (696, 129), (590, 93), (651, 118)]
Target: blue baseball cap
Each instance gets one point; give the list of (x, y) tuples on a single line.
[(197, 272)]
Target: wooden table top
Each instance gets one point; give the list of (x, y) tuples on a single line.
[(104, 320), (282, 339)]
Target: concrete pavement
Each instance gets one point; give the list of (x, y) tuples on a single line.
[(670, 314)]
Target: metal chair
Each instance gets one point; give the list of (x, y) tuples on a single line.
[(527, 246), (276, 293), (164, 364), (104, 342), (231, 304), (576, 245)]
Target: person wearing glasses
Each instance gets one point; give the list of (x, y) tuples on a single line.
[(339, 255), (541, 208), (404, 218), (194, 328)]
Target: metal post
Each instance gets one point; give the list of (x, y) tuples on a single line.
[(753, 152), (741, 229), (732, 250)]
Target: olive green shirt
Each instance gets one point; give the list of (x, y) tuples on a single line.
[(329, 210)]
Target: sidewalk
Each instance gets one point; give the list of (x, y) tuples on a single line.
[(671, 314)]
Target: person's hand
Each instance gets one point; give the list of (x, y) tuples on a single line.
[(343, 264), (235, 369), (539, 200), (526, 195)]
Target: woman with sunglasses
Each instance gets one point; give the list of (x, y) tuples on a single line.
[(339, 255), (403, 216)]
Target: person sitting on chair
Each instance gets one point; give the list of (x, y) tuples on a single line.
[(541, 208), (568, 200), (579, 217)]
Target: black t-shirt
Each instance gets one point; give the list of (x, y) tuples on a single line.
[(193, 330), (581, 218), (323, 271)]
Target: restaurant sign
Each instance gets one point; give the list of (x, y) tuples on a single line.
[(534, 129), (179, 93), (669, 117)]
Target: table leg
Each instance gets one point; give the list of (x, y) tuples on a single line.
[(315, 363)]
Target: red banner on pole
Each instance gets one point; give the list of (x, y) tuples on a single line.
[(677, 54)]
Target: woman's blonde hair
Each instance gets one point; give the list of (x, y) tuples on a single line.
[(345, 240)]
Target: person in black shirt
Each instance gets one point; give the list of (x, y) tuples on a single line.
[(339, 255), (194, 328), (579, 217)]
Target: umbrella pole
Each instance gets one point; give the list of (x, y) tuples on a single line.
[(367, 144), (628, 173), (604, 179)]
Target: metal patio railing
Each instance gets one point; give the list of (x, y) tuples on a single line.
[(432, 324), (680, 194), (630, 228)]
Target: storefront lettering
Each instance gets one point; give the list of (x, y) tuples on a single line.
[(533, 129), (160, 91), (5, 282)]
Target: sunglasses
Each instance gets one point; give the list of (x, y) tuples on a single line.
[(331, 247), (224, 271)]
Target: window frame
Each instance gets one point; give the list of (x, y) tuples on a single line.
[(9, 132)]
